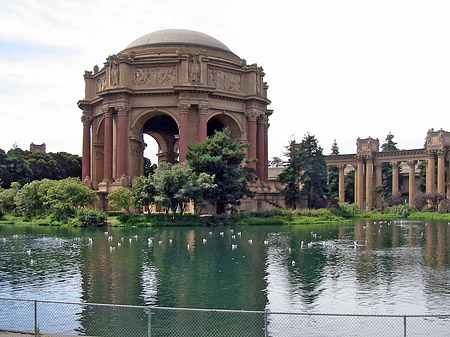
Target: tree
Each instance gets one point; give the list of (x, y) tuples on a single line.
[(31, 198), (176, 185), (305, 174), (148, 167), (291, 176), (66, 195), (143, 192), (121, 198), (7, 197), (388, 145), (276, 162), (333, 175), (222, 157)]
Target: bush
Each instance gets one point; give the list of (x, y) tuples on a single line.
[(404, 210), (345, 209), (88, 218)]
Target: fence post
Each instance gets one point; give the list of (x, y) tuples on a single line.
[(36, 325), (265, 323), (404, 326), (149, 322)]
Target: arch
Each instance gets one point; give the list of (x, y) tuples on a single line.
[(222, 120)]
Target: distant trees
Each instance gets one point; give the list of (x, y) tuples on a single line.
[(388, 145), (333, 175), (23, 167)]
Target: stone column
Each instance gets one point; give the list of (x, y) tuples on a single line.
[(341, 182), (184, 130), (108, 145), (202, 123), (266, 152), (260, 148), (252, 116), (369, 185), (394, 178), (441, 172), (441, 177), (412, 181), (431, 174), (379, 182), (360, 184), (86, 160), (122, 140)]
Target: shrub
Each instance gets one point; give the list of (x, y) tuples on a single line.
[(88, 218), (404, 210)]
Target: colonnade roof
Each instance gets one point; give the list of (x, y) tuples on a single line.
[(178, 36)]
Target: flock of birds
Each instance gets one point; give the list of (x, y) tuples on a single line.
[(315, 239)]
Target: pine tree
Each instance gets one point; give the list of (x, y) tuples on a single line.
[(333, 175), (388, 145)]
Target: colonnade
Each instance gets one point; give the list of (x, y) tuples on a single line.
[(116, 141), (368, 162)]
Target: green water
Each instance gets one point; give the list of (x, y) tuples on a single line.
[(395, 267)]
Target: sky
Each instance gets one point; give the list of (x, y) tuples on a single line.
[(337, 69)]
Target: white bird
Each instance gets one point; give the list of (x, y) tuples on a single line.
[(210, 233), (266, 242), (293, 263), (160, 242), (290, 250), (129, 240), (221, 233), (301, 244), (119, 244), (204, 241), (188, 246), (232, 230), (310, 244), (233, 236), (109, 238), (250, 241), (233, 246), (239, 233), (90, 241), (28, 252), (111, 249), (170, 241)]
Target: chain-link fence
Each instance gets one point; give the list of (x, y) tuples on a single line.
[(52, 318)]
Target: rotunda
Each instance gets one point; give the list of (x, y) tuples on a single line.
[(178, 86)]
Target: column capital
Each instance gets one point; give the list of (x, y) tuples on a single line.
[(394, 163), (122, 109), (203, 109), (341, 166), (107, 111), (412, 162), (86, 119), (441, 153), (252, 115), (184, 108)]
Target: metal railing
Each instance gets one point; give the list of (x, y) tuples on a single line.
[(54, 318)]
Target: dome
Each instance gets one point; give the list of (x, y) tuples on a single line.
[(178, 36)]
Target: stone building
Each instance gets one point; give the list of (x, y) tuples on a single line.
[(177, 86)]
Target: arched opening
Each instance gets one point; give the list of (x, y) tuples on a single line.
[(220, 122), (164, 132)]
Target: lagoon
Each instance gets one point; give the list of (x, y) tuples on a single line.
[(365, 266)]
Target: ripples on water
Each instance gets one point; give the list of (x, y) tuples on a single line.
[(365, 267)]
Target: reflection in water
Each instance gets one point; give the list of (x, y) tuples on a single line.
[(397, 267)]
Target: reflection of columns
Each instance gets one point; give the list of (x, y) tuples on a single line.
[(341, 183), (202, 123), (431, 174), (108, 145), (86, 160), (251, 136), (260, 148), (379, 182), (369, 185), (412, 182), (360, 184), (122, 140), (394, 178), (184, 130)]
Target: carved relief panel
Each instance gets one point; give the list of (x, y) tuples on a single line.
[(225, 80), (100, 83), (155, 76)]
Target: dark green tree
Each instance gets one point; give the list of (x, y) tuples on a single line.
[(388, 145), (307, 164), (222, 157), (350, 187), (290, 177), (333, 175), (148, 167)]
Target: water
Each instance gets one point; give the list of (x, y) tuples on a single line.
[(397, 267)]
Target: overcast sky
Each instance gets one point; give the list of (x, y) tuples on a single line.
[(338, 69)]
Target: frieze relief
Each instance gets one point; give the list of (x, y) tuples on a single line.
[(224, 80), (101, 83), (157, 76)]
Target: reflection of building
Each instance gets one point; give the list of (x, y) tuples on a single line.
[(368, 161), (179, 87)]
